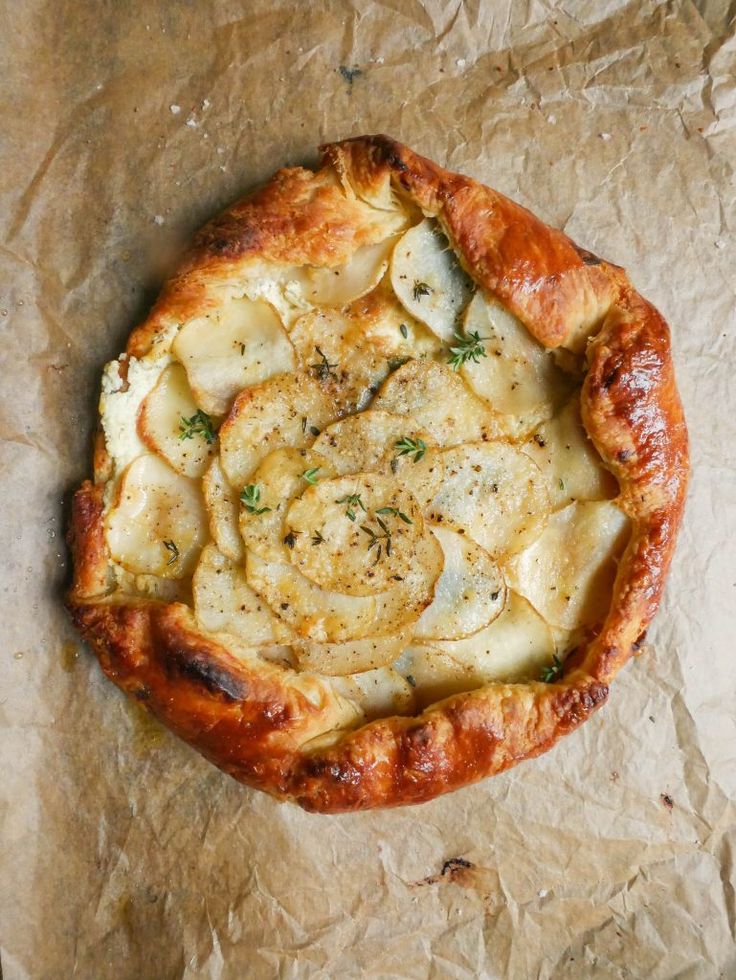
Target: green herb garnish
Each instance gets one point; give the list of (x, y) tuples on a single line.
[(200, 424), (310, 475), (171, 547), (323, 369), (397, 513), (470, 348), (411, 447), (420, 289), (352, 500), (550, 674), (250, 497), (375, 539), (316, 538), (290, 539)]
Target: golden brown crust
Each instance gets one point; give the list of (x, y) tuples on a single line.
[(257, 722)]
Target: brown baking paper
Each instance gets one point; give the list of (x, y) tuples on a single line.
[(124, 854)]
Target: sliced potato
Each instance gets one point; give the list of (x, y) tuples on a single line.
[(333, 350), (354, 534), (280, 478), (438, 400), (569, 571), (288, 410), (428, 279), (327, 617), (378, 693), (389, 329), (333, 617), (518, 377), (516, 646), (345, 283), (494, 493), (162, 424), (562, 450), (469, 594), (223, 509), (240, 343), (158, 524), (225, 603), (379, 442), (351, 656)]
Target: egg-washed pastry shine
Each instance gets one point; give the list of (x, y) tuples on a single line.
[(386, 486)]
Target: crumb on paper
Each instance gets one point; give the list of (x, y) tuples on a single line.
[(667, 800), (174, 109), (350, 74), (460, 62), (604, 136), (158, 219), (192, 122), (542, 893), (206, 103), (719, 243)]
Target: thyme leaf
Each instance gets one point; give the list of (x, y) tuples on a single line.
[(469, 348), (552, 673), (250, 497), (352, 500), (420, 289), (171, 547), (200, 424), (411, 447), (310, 475)]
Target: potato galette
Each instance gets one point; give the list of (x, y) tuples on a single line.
[(386, 486)]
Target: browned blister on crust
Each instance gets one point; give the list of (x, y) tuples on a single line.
[(265, 725)]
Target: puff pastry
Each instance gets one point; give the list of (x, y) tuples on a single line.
[(386, 486)]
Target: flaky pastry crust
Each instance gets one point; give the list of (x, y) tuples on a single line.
[(258, 722)]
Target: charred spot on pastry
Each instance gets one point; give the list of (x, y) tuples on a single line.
[(206, 672)]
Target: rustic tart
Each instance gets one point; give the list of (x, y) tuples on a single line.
[(386, 486)]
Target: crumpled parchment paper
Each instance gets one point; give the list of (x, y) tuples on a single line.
[(125, 855)]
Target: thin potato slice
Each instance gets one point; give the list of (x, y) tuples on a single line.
[(562, 450), (378, 693), (162, 424), (158, 524), (333, 617), (345, 283), (438, 399), (225, 603), (288, 410), (280, 478), (568, 572), (516, 646), (332, 349), (223, 509), (428, 279), (494, 493), (379, 442), (354, 534), (469, 594), (352, 656), (326, 617), (239, 344), (518, 377)]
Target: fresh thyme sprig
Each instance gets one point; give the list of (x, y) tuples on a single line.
[(420, 289), (552, 673), (411, 447), (310, 475), (316, 538), (200, 424), (397, 513), (352, 500), (375, 539), (172, 548), (290, 539), (323, 369), (250, 497), (470, 348)]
